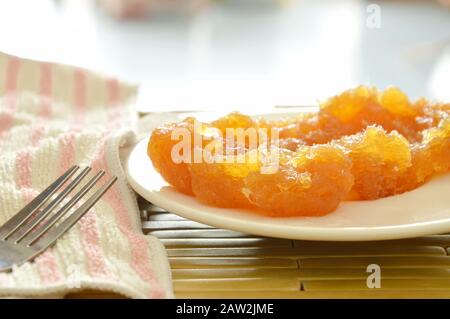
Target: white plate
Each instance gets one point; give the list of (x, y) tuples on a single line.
[(423, 211)]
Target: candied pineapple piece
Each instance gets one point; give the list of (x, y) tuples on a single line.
[(396, 102), (159, 150), (220, 183), (291, 143), (352, 111), (430, 156), (347, 105), (312, 183), (283, 128), (378, 160), (167, 145), (233, 121), (437, 147)]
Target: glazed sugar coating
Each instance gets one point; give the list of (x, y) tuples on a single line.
[(159, 149), (233, 121), (354, 110), (312, 183), (220, 184), (362, 144), (378, 159), (432, 155)]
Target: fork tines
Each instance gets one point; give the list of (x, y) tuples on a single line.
[(46, 218)]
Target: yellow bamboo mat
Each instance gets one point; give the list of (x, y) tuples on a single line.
[(215, 263)]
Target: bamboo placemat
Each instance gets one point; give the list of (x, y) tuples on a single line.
[(215, 263)]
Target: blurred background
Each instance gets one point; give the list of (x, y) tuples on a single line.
[(247, 55)]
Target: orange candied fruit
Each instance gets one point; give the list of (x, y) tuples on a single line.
[(233, 121), (353, 110), (220, 184), (159, 149), (362, 144), (312, 183), (378, 160)]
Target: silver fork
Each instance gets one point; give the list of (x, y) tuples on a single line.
[(33, 229)]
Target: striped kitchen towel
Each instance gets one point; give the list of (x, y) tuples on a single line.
[(51, 117)]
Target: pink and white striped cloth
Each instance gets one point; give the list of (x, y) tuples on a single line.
[(51, 117)]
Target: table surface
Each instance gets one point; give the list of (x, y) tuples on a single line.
[(243, 54)]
